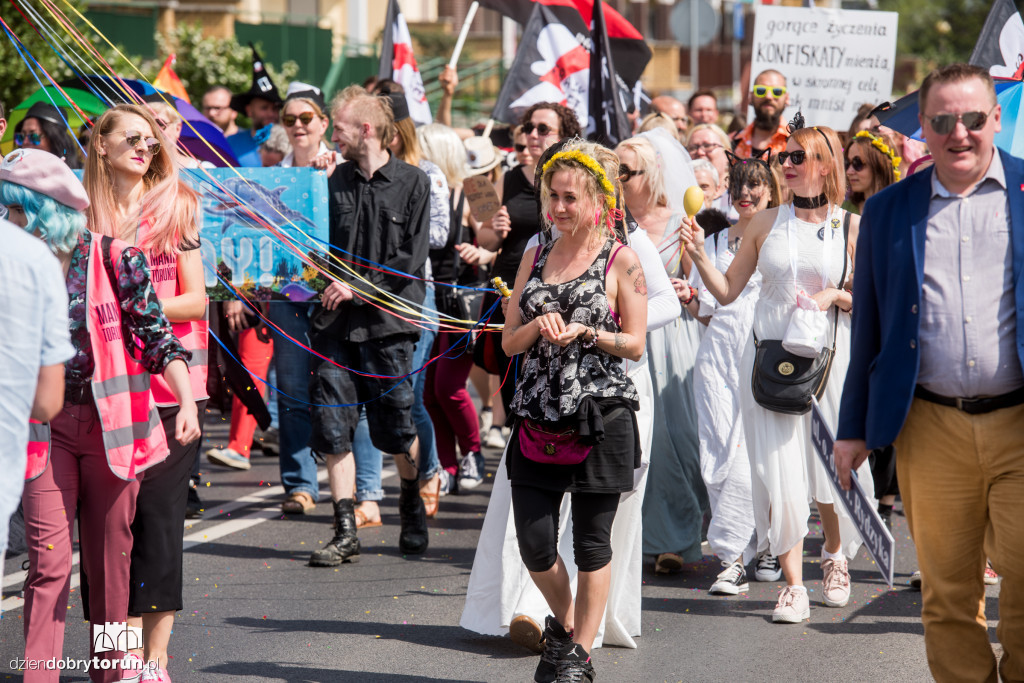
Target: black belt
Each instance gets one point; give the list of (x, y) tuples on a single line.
[(78, 394), (973, 406)]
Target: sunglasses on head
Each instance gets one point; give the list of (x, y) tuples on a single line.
[(541, 128), (289, 119), (943, 124), (763, 90), (856, 163), (22, 139), (798, 157), (625, 173), (134, 137), (520, 148)]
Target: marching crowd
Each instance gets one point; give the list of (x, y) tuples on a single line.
[(655, 355)]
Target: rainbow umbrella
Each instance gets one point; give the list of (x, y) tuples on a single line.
[(85, 101)]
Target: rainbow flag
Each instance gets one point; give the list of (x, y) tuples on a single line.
[(169, 82)]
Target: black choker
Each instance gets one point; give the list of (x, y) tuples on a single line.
[(810, 202)]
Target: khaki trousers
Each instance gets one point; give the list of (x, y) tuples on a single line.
[(962, 483)]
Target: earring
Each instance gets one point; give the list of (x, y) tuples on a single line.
[(548, 216), (597, 217)]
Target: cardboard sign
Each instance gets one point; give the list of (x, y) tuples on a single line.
[(833, 60), (482, 197), (245, 252), (877, 539)]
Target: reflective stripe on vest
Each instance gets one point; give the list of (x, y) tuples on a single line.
[(132, 434), (193, 335), (38, 449)]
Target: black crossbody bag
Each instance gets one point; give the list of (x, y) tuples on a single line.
[(784, 382)]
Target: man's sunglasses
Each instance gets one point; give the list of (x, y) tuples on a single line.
[(625, 173), (289, 119), (22, 139), (763, 90), (520, 148), (134, 137), (798, 157), (857, 163), (542, 128), (943, 124)]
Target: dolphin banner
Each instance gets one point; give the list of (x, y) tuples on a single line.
[(237, 246)]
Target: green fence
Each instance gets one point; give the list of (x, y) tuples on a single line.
[(308, 46), (133, 28)]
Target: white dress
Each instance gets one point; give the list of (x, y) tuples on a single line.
[(717, 384), (500, 587), (786, 472)]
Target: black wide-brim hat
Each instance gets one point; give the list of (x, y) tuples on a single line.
[(262, 87)]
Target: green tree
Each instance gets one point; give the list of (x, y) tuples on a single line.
[(938, 32), (204, 62)]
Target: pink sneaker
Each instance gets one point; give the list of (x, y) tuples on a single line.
[(132, 668), (991, 578), (792, 607), (154, 673), (835, 587)]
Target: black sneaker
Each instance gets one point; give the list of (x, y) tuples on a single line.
[(575, 666), (885, 512), (556, 639), (471, 470), (194, 506)]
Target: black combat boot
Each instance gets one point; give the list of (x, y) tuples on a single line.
[(344, 547), (413, 538)]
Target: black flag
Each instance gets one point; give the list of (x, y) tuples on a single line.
[(1000, 47), (607, 122)]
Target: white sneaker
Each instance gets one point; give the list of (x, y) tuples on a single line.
[(228, 458), (768, 568), (732, 581), (495, 438), (792, 607), (835, 587), (486, 420), (915, 580)]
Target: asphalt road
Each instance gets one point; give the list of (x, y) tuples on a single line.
[(256, 612)]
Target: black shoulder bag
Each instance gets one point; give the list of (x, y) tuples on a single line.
[(458, 302), (784, 382)]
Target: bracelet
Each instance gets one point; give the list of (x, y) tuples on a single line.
[(693, 293), (593, 338)]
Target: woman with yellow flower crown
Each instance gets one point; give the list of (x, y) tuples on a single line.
[(871, 166), (578, 307)]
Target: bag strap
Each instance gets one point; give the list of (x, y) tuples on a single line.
[(457, 227), (127, 337), (842, 280)]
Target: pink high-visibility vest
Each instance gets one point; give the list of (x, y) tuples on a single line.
[(193, 334), (133, 435)]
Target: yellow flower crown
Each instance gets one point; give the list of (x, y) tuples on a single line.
[(589, 163), (880, 145)]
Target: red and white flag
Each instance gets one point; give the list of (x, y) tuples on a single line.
[(398, 63)]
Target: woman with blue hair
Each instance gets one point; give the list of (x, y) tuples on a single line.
[(87, 460)]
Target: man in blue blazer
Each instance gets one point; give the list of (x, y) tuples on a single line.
[(936, 368)]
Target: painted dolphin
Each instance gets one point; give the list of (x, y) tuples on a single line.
[(244, 196)]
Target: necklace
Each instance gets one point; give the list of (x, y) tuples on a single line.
[(810, 202)]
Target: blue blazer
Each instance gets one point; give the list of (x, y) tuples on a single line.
[(885, 354)]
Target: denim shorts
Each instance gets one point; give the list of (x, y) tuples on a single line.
[(388, 406)]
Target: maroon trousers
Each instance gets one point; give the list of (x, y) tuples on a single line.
[(77, 477)]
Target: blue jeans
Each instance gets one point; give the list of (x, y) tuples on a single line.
[(292, 365), (368, 458)]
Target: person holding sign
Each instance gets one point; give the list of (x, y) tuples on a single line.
[(938, 351), (768, 130), (87, 461), (800, 251)]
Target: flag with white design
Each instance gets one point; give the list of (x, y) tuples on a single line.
[(1000, 47), (551, 65), (607, 122), (398, 63)]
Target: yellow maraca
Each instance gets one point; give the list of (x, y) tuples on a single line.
[(693, 202)]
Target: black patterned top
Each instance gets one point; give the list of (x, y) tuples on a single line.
[(139, 306), (553, 379)]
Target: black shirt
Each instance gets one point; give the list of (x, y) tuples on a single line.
[(524, 213), (386, 221)]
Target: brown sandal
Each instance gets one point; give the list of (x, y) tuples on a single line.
[(430, 492), (364, 522), (298, 503)]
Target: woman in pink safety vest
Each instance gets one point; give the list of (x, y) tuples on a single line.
[(140, 199), (89, 458)]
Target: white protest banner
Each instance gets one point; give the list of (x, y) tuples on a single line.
[(877, 539), (833, 60)]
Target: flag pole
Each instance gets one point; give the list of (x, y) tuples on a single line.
[(462, 34)]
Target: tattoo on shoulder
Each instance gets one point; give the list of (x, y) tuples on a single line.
[(632, 269), (620, 342), (640, 284)]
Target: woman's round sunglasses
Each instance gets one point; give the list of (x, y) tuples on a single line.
[(134, 137), (289, 119), (798, 157), (943, 124), (22, 139), (625, 173), (542, 128), (857, 163)]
